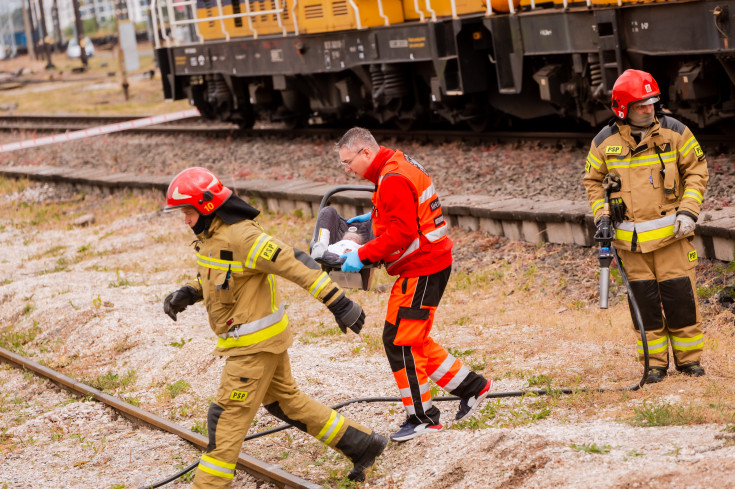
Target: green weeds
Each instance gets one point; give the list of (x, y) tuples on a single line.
[(591, 448)]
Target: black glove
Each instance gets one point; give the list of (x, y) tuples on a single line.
[(179, 300), (348, 314)]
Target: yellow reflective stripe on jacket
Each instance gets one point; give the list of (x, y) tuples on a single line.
[(647, 231), (330, 430), (272, 285), (321, 281), (693, 194), (257, 337), (594, 161), (691, 143), (597, 205), (684, 344), (255, 326), (656, 346), (216, 467), (667, 157), (217, 264), (255, 250)]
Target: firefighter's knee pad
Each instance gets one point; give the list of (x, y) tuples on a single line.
[(648, 300), (677, 297), (213, 415), (275, 409)]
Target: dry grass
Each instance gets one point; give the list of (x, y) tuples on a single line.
[(98, 91)]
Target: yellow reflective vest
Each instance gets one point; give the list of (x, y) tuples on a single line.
[(664, 174), (237, 265)]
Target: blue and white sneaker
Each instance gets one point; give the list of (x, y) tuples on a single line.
[(469, 405), (412, 430)]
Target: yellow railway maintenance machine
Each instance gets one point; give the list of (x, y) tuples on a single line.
[(462, 61)]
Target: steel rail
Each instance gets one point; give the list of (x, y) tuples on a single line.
[(43, 123), (257, 468)]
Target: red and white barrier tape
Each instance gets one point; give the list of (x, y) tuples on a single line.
[(97, 131)]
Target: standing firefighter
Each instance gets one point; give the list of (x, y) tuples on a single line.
[(237, 263), (411, 238), (663, 174)]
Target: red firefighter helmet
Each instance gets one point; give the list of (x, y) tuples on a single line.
[(633, 86), (199, 188)]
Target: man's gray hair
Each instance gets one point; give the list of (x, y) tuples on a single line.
[(357, 138)]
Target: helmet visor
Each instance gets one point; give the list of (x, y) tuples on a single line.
[(648, 101)]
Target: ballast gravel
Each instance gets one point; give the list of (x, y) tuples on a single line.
[(87, 301)]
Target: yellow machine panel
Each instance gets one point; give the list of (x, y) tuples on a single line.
[(268, 23), (249, 23), (443, 8), (339, 15)]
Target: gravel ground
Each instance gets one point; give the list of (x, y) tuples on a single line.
[(528, 170), (87, 301)]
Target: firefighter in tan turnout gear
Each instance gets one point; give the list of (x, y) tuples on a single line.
[(662, 172), (237, 262)]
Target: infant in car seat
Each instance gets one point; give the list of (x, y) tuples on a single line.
[(330, 253)]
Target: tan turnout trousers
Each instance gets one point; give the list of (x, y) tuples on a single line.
[(265, 378), (664, 286)]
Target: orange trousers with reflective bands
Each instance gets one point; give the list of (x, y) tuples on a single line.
[(414, 356)]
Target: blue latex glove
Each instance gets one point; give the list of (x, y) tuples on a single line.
[(351, 262), (361, 218)]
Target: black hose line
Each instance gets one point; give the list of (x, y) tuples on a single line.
[(638, 319)]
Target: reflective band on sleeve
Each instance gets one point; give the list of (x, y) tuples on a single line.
[(691, 142), (597, 205), (683, 344), (594, 161), (427, 194), (216, 467), (272, 284), (655, 346), (693, 194), (255, 250), (319, 284), (208, 262), (330, 430)]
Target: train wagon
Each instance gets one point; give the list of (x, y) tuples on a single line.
[(464, 62)]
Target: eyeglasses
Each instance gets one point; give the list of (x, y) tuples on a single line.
[(348, 163)]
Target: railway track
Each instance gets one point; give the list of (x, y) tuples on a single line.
[(262, 471), (198, 126)]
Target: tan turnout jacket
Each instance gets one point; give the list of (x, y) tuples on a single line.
[(237, 265), (652, 199)]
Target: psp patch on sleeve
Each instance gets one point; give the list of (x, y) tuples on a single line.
[(698, 151), (692, 255), (270, 251)]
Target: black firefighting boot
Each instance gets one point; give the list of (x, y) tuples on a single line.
[(692, 370), (655, 375), (375, 446)]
